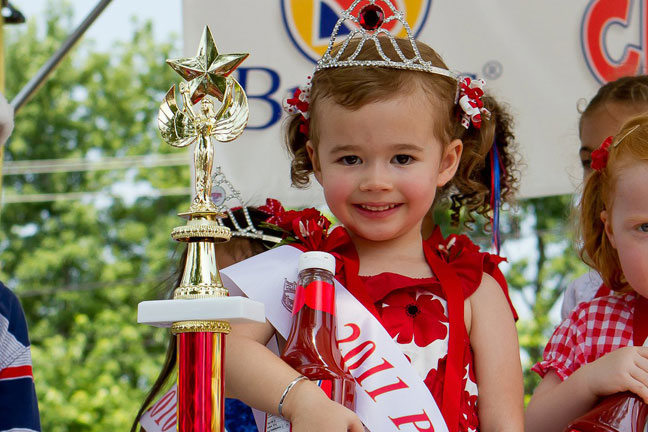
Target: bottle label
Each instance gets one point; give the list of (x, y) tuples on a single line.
[(318, 295), (278, 424)]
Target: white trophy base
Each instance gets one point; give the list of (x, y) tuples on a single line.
[(235, 310)]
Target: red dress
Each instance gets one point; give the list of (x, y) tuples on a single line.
[(415, 313), (424, 316)]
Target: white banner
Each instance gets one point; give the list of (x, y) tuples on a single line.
[(541, 58)]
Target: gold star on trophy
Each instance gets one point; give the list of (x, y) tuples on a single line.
[(207, 72)]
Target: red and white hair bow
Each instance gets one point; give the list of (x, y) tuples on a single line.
[(470, 94), (299, 104)]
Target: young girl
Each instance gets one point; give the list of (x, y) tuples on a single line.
[(597, 350), (615, 103), (384, 138)]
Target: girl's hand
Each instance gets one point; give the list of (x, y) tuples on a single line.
[(625, 369), (310, 410)]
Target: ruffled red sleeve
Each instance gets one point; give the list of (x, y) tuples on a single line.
[(469, 262)]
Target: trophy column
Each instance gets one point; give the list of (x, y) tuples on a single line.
[(201, 343), (201, 310)]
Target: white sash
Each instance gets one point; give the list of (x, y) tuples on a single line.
[(161, 417), (393, 396)]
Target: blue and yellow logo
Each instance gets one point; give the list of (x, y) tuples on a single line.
[(310, 22)]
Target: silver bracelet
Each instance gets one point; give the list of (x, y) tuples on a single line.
[(285, 393)]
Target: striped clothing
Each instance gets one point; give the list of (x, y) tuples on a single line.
[(18, 405)]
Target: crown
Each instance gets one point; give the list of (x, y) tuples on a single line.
[(228, 199), (371, 21)]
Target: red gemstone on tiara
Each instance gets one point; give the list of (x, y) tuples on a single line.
[(371, 17)]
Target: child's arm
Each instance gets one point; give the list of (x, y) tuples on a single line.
[(493, 338), (555, 403), (255, 375)]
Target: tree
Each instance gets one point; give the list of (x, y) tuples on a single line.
[(539, 279), (81, 267)]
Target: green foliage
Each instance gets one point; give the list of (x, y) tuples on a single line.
[(540, 279), (538, 273), (81, 267)]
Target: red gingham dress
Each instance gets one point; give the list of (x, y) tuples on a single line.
[(592, 330)]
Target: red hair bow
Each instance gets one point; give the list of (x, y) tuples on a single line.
[(470, 94), (601, 154), (299, 104)]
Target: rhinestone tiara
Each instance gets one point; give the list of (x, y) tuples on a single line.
[(227, 197), (370, 20)]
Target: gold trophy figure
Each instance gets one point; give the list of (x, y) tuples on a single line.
[(183, 127), (201, 310)]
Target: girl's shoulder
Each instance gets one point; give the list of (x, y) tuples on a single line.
[(615, 307)]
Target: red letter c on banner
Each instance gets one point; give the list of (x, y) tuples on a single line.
[(599, 15)]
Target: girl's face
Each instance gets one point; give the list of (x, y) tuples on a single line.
[(626, 224), (604, 121), (380, 165)]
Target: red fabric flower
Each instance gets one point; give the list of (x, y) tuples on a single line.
[(301, 104), (409, 318), (469, 262), (274, 209), (453, 247), (297, 222), (601, 154), (435, 382), (435, 379), (308, 227), (470, 411)]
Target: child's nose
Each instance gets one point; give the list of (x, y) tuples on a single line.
[(376, 178)]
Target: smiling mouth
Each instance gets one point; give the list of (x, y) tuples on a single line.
[(377, 208)]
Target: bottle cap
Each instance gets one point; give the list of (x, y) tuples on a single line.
[(316, 259)]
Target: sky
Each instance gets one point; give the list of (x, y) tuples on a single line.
[(115, 21)]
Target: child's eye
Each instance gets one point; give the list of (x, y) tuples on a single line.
[(643, 227), (349, 160), (586, 163), (403, 159)]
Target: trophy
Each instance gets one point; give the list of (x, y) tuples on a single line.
[(201, 310)]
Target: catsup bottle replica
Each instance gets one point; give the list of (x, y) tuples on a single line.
[(311, 348), (621, 412)]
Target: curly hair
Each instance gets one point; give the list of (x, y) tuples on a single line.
[(354, 87), (627, 146), (470, 188)]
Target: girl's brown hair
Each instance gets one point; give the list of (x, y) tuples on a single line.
[(629, 146), (627, 90), (354, 87)]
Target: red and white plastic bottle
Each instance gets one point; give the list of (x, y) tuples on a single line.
[(621, 412), (311, 348)]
